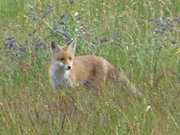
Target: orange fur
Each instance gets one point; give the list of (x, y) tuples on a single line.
[(87, 70)]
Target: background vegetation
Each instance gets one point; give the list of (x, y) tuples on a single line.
[(142, 37)]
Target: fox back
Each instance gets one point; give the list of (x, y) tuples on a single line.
[(68, 70)]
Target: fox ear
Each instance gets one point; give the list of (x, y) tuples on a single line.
[(55, 47), (72, 46)]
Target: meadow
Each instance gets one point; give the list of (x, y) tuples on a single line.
[(141, 37)]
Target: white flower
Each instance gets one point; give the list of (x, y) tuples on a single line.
[(76, 29), (148, 108), (77, 21), (76, 14)]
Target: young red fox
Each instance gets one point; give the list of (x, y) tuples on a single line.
[(68, 70)]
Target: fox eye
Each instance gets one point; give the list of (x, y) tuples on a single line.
[(70, 58), (60, 59)]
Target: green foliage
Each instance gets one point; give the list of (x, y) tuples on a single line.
[(141, 37)]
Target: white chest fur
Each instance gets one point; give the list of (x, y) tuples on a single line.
[(59, 78)]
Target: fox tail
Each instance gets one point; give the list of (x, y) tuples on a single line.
[(119, 77)]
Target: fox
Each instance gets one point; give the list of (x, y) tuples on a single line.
[(70, 71)]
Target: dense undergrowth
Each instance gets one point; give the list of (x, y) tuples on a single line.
[(141, 37)]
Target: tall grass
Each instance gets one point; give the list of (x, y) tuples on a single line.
[(135, 36)]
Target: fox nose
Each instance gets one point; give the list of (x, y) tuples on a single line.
[(68, 67)]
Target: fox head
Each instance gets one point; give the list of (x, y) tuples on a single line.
[(63, 56)]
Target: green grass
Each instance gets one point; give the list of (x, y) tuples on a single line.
[(29, 106)]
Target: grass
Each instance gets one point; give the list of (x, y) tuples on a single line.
[(124, 32)]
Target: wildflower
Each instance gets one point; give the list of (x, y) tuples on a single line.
[(76, 14), (38, 44), (164, 24), (178, 51), (48, 10), (76, 29), (78, 21), (148, 108), (10, 42), (177, 19)]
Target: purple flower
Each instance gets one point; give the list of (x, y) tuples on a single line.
[(10, 43), (38, 44), (48, 10)]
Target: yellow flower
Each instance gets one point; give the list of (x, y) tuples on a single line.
[(178, 51)]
